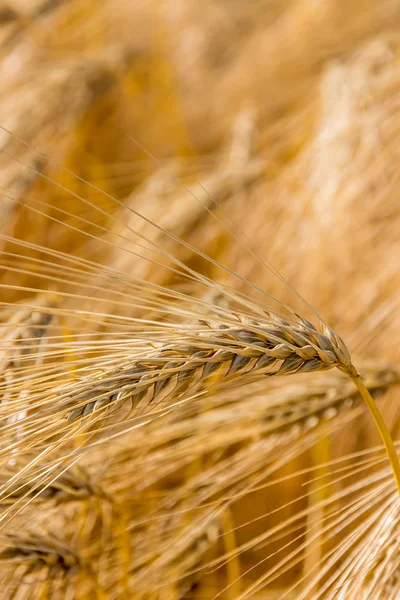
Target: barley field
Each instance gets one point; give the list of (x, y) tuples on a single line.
[(199, 300)]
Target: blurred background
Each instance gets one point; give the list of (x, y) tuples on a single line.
[(273, 119)]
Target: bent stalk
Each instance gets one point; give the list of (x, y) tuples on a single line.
[(383, 430)]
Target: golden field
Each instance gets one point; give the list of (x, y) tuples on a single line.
[(173, 173)]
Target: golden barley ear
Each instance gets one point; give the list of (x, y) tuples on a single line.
[(272, 348)]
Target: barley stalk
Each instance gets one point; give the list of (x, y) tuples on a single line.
[(381, 426)]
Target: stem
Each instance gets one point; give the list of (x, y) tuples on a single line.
[(383, 430)]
